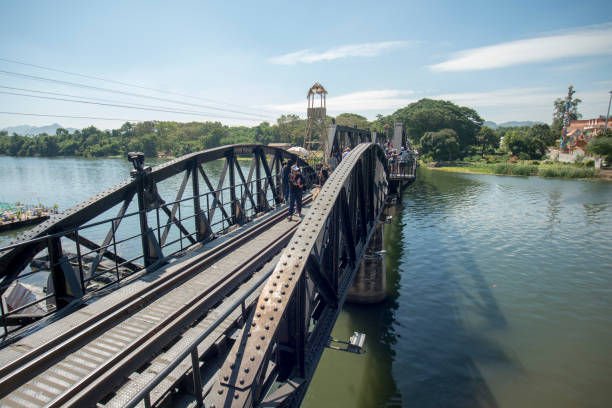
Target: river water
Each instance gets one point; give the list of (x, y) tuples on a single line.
[(499, 295), (499, 290)]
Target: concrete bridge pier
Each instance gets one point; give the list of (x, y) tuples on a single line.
[(370, 282)]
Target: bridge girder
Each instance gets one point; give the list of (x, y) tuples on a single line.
[(48, 235), (284, 337)]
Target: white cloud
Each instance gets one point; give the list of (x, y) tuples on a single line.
[(499, 105), (502, 97), (379, 100), (354, 50), (595, 40)]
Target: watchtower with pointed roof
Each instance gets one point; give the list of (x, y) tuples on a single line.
[(317, 113)]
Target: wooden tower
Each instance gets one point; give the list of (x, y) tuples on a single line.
[(317, 113)]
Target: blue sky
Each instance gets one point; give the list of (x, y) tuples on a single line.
[(245, 62)]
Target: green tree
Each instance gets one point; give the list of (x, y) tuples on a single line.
[(602, 146), (519, 143), (543, 132), (428, 115), (487, 138), (559, 111), (441, 145), (353, 120)]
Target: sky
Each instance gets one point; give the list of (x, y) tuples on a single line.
[(102, 63)]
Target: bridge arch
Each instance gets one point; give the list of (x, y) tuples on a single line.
[(285, 335), (235, 199)]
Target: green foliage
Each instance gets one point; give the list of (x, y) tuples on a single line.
[(515, 169), (353, 120), (520, 143), (602, 146), (567, 171), (428, 115), (559, 111), (543, 132), (487, 138), (440, 145)]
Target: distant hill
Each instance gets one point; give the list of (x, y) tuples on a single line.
[(494, 125), (27, 130)]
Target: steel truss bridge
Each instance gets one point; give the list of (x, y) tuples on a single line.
[(213, 300)]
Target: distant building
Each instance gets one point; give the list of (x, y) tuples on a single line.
[(579, 134), (586, 129)]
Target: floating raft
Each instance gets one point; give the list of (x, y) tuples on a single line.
[(15, 216)]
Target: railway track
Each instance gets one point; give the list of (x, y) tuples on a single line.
[(93, 358)]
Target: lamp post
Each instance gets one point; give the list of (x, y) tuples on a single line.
[(608, 114)]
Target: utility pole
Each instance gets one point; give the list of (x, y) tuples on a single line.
[(608, 114)]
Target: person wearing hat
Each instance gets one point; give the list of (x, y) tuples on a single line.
[(296, 182)]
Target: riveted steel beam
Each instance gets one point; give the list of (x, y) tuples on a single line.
[(334, 227), (29, 244)]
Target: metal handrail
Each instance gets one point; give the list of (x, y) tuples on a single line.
[(192, 350), (83, 282)]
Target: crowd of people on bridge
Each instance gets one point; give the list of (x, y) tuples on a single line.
[(398, 159), (293, 181)]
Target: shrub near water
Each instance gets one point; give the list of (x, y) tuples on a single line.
[(515, 169), (567, 172)]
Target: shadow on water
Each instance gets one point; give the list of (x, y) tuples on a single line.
[(439, 349)]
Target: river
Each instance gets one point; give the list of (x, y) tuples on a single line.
[(499, 295), (499, 290)]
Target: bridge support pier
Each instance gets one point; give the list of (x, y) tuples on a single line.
[(370, 282)]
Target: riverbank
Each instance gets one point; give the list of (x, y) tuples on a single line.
[(563, 171)]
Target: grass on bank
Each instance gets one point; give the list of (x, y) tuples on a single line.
[(525, 169)]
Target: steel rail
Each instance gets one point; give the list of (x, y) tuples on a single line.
[(12, 374), (143, 394), (105, 377)]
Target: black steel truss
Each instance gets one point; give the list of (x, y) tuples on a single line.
[(283, 339), (247, 198)]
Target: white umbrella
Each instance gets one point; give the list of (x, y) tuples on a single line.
[(300, 151)]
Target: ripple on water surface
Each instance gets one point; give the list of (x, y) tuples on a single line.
[(500, 295)]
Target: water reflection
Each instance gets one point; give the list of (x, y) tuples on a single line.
[(439, 363), (554, 208), (363, 381)]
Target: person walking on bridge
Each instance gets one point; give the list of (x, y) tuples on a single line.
[(295, 193)]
